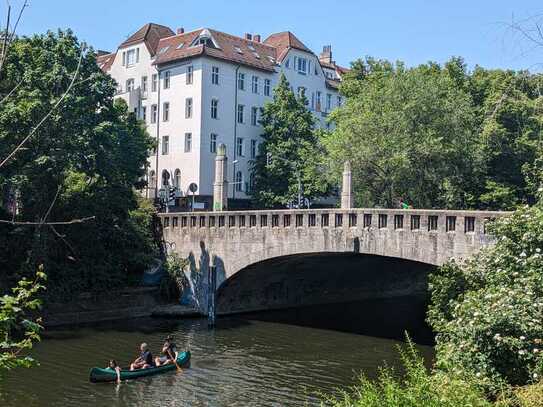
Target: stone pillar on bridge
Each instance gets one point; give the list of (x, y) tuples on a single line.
[(346, 191), (220, 186)]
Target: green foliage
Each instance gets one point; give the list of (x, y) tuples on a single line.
[(19, 329), (416, 388), (174, 281), (439, 136), (488, 312), (90, 151), (409, 133), (292, 143)]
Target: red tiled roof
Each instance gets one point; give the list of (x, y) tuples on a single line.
[(151, 34), (284, 41), (263, 56), (341, 70), (105, 61)]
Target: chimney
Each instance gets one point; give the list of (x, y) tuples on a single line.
[(326, 54), (180, 30), (256, 38), (248, 36)]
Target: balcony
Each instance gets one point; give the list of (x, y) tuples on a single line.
[(132, 98)]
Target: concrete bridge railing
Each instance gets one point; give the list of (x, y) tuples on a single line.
[(239, 239)]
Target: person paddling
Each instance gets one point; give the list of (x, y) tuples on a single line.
[(145, 360), (169, 353), (113, 365)]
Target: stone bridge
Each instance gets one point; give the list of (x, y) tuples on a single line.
[(311, 256), (240, 239)]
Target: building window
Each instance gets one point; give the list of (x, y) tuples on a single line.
[(239, 147), (254, 84), (339, 101), (301, 91), (165, 111), (252, 221), (165, 145), (300, 65), (254, 115), (267, 87), (166, 79), (239, 181), (286, 221), (188, 108), (215, 75), (240, 113), (328, 102), (214, 108), (132, 57), (190, 74), (241, 221), (325, 220), (318, 101), (154, 110), (188, 142), (287, 63), (253, 148), (299, 220), (130, 85), (251, 182), (177, 178), (241, 81), (312, 220), (154, 82), (144, 83), (263, 221), (144, 113), (152, 179), (213, 143), (339, 220)]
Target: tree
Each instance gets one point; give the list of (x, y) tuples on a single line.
[(84, 162), (488, 311), (19, 328), (290, 154), (409, 133)]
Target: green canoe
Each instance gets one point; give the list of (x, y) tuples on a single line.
[(98, 375)]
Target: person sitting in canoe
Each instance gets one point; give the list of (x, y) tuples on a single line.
[(145, 360), (169, 352), (113, 365)]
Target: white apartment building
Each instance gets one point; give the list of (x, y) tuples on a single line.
[(197, 89)]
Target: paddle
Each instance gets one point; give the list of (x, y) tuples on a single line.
[(174, 360)]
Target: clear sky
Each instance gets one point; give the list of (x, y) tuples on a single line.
[(413, 31)]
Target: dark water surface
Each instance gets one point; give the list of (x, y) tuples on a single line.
[(243, 362)]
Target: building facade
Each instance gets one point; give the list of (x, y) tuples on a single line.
[(198, 89)]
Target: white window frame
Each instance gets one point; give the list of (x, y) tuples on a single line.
[(165, 145), (254, 116), (240, 147), (190, 75), (188, 108), (214, 108), (130, 85), (188, 142), (239, 181), (241, 81), (165, 111), (240, 113), (213, 143), (167, 79), (154, 82), (254, 84), (144, 113), (144, 84), (154, 113), (131, 59), (254, 148), (215, 75), (267, 87)]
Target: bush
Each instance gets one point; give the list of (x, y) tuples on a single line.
[(175, 281), (417, 388), (488, 312)]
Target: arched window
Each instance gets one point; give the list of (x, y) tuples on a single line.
[(239, 181), (152, 179), (165, 178), (177, 178)]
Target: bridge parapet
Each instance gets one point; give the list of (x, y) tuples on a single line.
[(241, 238)]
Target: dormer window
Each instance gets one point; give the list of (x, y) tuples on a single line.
[(256, 55), (238, 49), (132, 57), (272, 59), (180, 45), (163, 49), (205, 39), (251, 48)]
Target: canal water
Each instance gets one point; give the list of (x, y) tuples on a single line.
[(242, 362)]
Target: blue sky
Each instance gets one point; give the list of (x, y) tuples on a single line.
[(413, 31)]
